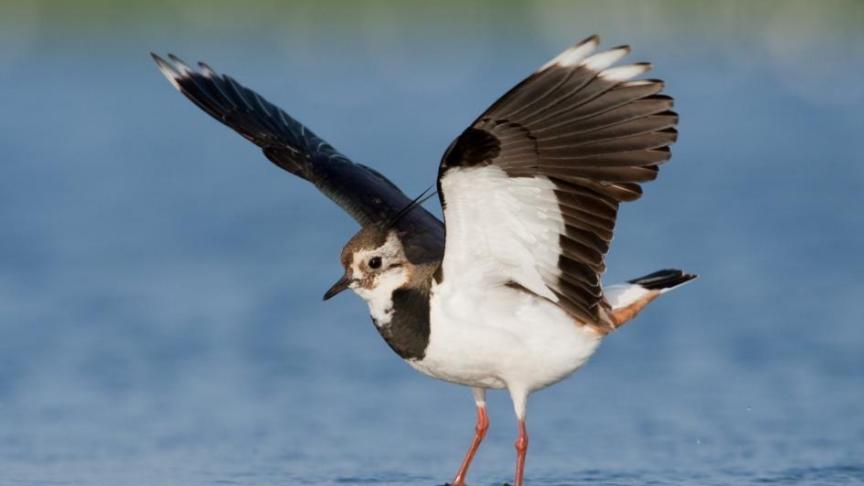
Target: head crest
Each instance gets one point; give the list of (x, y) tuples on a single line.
[(417, 201)]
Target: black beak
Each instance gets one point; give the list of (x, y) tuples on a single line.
[(339, 286)]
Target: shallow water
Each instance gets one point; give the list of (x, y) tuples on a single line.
[(160, 282)]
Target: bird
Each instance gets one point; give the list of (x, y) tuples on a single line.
[(506, 292)]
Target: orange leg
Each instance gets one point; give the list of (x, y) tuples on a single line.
[(479, 433), (521, 450)]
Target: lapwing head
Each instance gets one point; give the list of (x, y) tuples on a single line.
[(375, 264)]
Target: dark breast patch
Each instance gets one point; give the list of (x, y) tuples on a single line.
[(408, 331)]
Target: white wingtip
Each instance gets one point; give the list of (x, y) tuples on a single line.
[(167, 70), (623, 73), (575, 54), (603, 60), (207, 70), (640, 82), (184, 70)]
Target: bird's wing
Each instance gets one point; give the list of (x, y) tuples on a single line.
[(531, 189), (368, 196)]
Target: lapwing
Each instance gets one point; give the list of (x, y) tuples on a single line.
[(507, 294)]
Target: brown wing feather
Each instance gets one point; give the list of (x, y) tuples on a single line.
[(593, 134)]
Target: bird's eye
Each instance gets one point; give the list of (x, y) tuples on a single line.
[(375, 262)]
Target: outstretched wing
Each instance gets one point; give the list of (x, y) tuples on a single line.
[(368, 196), (531, 190)]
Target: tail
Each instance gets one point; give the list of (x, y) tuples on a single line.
[(663, 280), (627, 300)]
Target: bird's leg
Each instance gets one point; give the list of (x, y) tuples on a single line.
[(521, 451), (520, 402), (480, 429)]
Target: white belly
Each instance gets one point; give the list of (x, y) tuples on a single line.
[(502, 337)]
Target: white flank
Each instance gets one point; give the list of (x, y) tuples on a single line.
[(502, 338)]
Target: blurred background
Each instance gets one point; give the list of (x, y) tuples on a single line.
[(160, 282)]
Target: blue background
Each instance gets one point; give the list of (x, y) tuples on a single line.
[(160, 281)]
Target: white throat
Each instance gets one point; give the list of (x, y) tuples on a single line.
[(379, 295)]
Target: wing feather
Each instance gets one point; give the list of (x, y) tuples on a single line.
[(531, 189), (365, 194)]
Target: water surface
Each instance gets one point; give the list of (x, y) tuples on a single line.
[(160, 281)]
